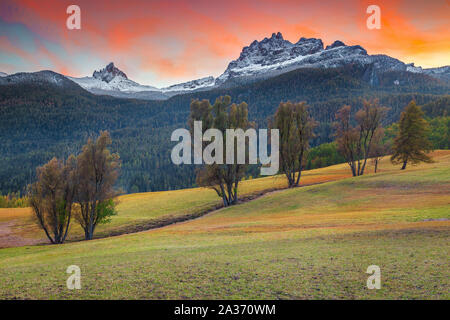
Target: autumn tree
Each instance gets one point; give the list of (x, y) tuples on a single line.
[(52, 196), (97, 172), (354, 142), (411, 144), (222, 175), (379, 148), (295, 129)]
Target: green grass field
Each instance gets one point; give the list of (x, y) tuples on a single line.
[(313, 242)]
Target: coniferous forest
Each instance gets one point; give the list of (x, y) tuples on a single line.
[(40, 121)]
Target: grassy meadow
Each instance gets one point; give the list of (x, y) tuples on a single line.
[(312, 242), (142, 211)]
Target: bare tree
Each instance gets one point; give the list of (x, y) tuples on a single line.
[(378, 149), (354, 143), (346, 137), (97, 172), (52, 196)]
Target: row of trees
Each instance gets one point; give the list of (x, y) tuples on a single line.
[(81, 187), (359, 137), (366, 139), (13, 200), (40, 121), (291, 119), (355, 142)]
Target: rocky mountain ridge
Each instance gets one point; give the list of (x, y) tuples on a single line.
[(260, 60)]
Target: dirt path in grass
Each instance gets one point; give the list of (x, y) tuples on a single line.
[(168, 221), (10, 239), (219, 208), (13, 232)]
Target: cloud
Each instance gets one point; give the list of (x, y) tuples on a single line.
[(164, 42)]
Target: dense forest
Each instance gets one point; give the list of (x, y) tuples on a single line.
[(40, 120)]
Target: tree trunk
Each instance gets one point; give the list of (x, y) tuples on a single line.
[(404, 165), (297, 181), (225, 201), (363, 167), (67, 226), (290, 178), (352, 166), (235, 193), (376, 165)]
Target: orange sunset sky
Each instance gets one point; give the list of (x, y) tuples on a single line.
[(165, 42)]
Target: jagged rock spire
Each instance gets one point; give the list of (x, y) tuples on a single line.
[(108, 73)]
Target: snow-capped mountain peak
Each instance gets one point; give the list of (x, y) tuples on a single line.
[(111, 79), (335, 44), (2, 74), (45, 76), (109, 73), (275, 55), (273, 50), (263, 59)]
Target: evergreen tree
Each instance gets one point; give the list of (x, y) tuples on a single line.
[(411, 144)]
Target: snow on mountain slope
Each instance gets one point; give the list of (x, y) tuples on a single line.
[(109, 73), (442, 73), (260, 60), (45, 76), (191, 85), (118, 83), (111, 78), (273, 56)]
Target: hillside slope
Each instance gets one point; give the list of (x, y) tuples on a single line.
[(311, 242), (142, 211)]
